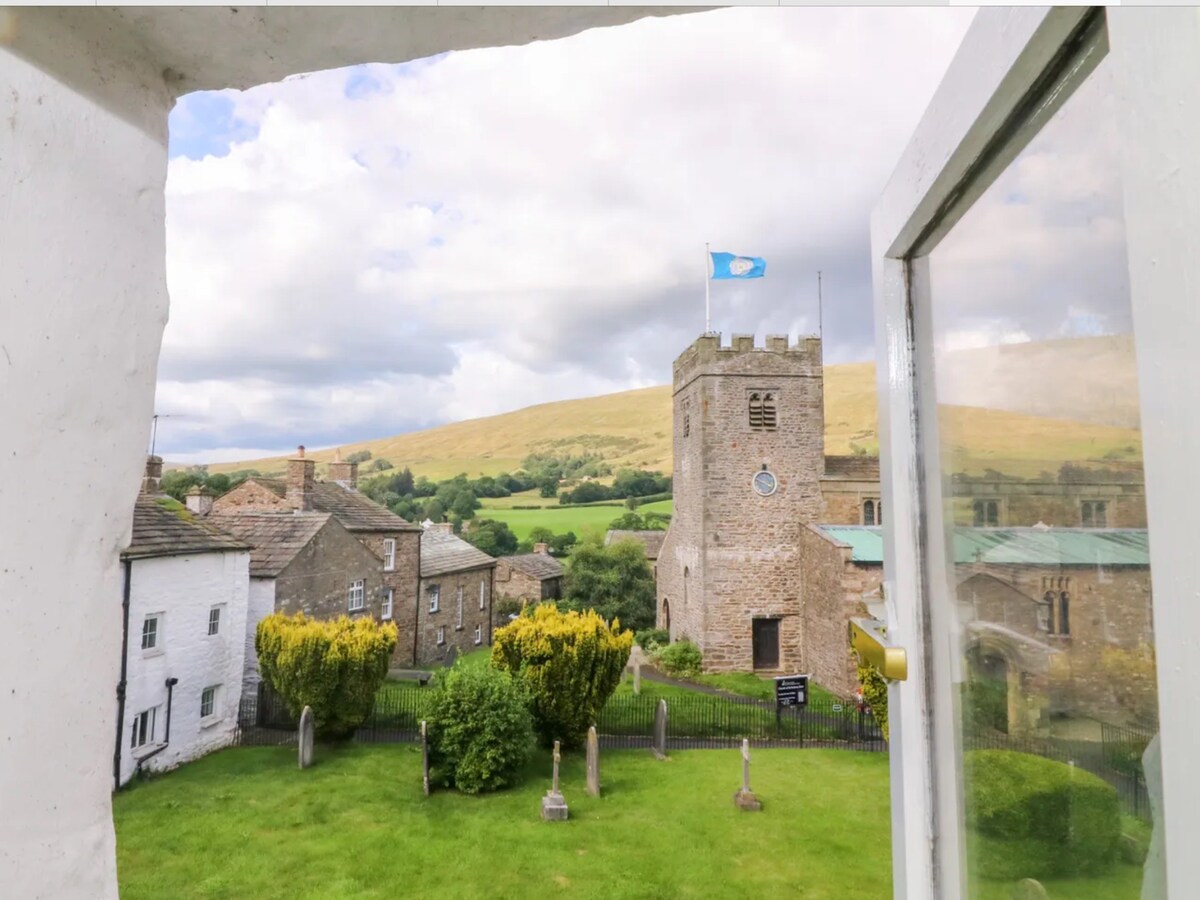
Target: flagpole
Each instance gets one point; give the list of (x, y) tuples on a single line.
[(707, 279)]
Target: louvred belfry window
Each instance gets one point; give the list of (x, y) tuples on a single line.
[(768, 411), (756, 410)]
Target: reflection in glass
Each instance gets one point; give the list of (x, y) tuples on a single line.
[(1045, 506)]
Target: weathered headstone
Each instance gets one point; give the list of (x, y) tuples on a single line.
[(554, 805), (424, 758), (637, 675), (451, 657), (1029, 889), (659, 747), (744, 798), (593, 763), (304, 737)]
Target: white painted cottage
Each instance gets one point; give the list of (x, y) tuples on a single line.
[(186, 587)]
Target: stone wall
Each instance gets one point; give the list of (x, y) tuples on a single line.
[(404, 582), (833, 587), (250, 496), (317, 581), (842, 501), (456, 634), (731, 555), (515, 585), (1025, 503)]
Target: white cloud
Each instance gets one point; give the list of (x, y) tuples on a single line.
[(505, 226)]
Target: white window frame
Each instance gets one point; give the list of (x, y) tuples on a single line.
[(478, 633), (441, 635), (1155, 58), (357, 592), (458, 621), (214, 625), (482, 595), (159, 619), (389, 596), (210, 695), (434, 591), (148, 718), (389, 554)]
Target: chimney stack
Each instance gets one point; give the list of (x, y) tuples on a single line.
[(152, 480), (541, 548), (440, 528), (300, 478), (199, 501), (344, 473)]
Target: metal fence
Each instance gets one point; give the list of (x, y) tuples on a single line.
[(627, 721), (1112, 758)]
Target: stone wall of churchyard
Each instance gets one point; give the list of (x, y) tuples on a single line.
[(441, 631), (744, 547), (832, 587), (317, 581), (403, 581)]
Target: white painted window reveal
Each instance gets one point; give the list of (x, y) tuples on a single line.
[(482, 594), (478, 634), (388, 597), (208, 701), (150, 631), (142, 732), (357, 595), (458, 622), (389, 554), (435, 597), (441, 635), (214, 620)]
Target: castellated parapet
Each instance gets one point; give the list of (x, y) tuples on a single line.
[(731, 556)]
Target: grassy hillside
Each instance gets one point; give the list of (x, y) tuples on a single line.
[(1020, 408), (561, 519)]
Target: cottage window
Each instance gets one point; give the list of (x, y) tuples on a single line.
[(357, 595), (387, 604), (872, 512), (987, 513), (214, 620), (389, 554), (1045, 611), (1094, 514), (483, 595), (435, 597), (458, 621), (208, 702), (478, 634), (150, 631), (441, 635), (142, 732)]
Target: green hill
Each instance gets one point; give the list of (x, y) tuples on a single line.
[(1020, 409)]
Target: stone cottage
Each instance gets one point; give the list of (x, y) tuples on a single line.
[(455, 609), (394, 542), (526, 578), (186, 587)]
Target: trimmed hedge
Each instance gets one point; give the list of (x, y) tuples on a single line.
[(1031, 817), (480, 732)]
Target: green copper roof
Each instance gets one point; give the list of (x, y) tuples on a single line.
[(1018, 546)]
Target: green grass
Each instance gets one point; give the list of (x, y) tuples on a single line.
[(246, 823), (747, 684), (561, 519)]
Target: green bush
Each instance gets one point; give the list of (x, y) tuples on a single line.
[(651, 638), (480, 731), (334, 667), (1031, 817), (680, 658), (570, 664), (874, 695), (985, 704)]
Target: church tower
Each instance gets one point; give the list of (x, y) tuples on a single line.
[(749, 436)]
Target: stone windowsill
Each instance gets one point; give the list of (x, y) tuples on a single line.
[(153, 652), (210, 721), (146, 749)]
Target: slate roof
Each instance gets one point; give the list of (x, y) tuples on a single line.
[(158, 531), (1017, 546), (275, 538), (852, 468), (537, 565), (442, 553), (355, 511), (651, 541)]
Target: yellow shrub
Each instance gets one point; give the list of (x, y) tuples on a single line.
[(334, 667), (571, 662)]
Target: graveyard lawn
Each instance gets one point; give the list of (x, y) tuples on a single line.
[(247, 823)]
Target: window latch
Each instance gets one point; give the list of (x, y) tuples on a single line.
[(869, 640)]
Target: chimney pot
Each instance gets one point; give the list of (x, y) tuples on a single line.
[(541, 548)]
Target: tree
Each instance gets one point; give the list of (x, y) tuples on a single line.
[(548, 486), (480, 729), (402, 482), (380, 465), (632, 521), (570, 664), (218, 484), (359, 456), (540, 535), (616, 581), (434, 511), (334, 667), (465, 503), (492, 537)]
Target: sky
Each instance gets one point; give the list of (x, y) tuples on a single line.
[(368, 251)]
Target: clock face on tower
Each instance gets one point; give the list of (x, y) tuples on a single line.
[(764, 483)]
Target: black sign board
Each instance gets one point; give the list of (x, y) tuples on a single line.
[(791, 690)]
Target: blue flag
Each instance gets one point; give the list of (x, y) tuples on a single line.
[(729, 265)]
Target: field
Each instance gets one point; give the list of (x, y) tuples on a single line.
[(1003, 414), (561, 519), (247, 823)]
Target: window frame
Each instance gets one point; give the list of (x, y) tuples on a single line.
[(389, 554), (389, 598), (458, 619), (482, 595), (210, 695), (156, 647), (214, 625), (147, 721), (357, 589), (433, 595), (441, 635), (478, 633)]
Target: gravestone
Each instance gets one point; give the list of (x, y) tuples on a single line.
[(424, 758), (554, 805), (593, 763), (1029, 889), (744, 798), (659, 747), (451, 657), (304, 737), (637, 675)]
